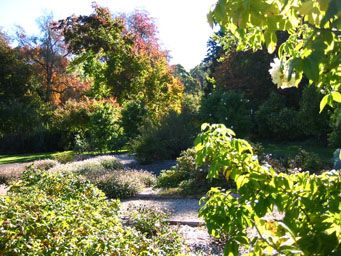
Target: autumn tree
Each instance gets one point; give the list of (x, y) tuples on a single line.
[(47, 53), (123, 58)]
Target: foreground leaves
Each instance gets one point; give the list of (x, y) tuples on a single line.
[(290, 214)]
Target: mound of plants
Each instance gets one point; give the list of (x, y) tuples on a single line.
[(59, 213), (187, 177), (124, 183), (89, 167), (109, 175), (152, 223)]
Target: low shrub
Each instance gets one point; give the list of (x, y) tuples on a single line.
[(55, 213), (7, 175), (65, 157), (307, 161), (188, 177), (124, 183), (90, 167), (171, 178), (45, 164), (152, 223)]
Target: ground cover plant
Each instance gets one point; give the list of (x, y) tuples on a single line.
[(59, 213)]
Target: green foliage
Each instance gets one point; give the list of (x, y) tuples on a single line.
[(334, 137), (133, 114), (311, 121), (152, 223), (123, 58), (313, 41), (191, 84), (165, 140), (228, 107), (123, 183), (91, 125), (291, 214), (307, 161), (187, 176), (276, 121), (61, 214)]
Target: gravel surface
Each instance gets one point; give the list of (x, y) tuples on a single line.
[(179, 209), (199, 241), (130, 162)]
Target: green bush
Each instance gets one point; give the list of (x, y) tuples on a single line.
[(124, 183), (152, 223), (165, 140), (91, 125), (312, 122), (334, 137), (61, 214), (276, 121), (230, 108), (187, 176), (171, 178), (307, 161), (133, 114)]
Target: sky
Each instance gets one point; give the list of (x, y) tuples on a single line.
[(182, 24)]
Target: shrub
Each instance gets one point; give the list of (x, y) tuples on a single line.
[(307, 161), (230, 108), (309, 204), (276, 121), (312, 122), (171, 178), (124, 183), (91, 125), (334, 137), (133, 114), (45, 164), (152, 223), (187, 176), (90, 167), (165, 140), (61, 214), (65, 157), (9, 174)]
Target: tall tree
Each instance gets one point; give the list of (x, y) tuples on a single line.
[(47, 53), (123, 58)]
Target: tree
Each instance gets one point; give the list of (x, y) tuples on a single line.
[(123, 58), (47, 53), (191, 84), (312, 47)]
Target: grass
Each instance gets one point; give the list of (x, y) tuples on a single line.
[(9, 159), (290, 149), (64, 156)]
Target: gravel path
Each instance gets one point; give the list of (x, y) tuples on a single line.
[(180, 209)]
